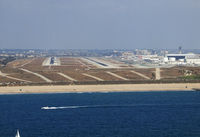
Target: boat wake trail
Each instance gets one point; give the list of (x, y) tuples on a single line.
[(66, 107), (90, 106), (116, 106)]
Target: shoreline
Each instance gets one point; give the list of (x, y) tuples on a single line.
[(99, 88)]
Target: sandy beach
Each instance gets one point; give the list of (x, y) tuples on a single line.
[(98, 88)]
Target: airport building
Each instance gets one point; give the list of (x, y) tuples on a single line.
[(195, 60), (189, 58), (180, 56)]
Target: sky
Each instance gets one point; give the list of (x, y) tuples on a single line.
[(99, 24)]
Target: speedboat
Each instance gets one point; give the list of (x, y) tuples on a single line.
[(48, 107), (45, 108), (17, 135)]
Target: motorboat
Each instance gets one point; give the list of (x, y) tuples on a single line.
[(48, 107), (17, 135)]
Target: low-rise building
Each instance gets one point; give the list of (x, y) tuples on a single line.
[(182, 59), (195, 60)]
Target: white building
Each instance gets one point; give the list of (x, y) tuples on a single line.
[(180, 56), (182, 59), (127, 55), (193, 60)]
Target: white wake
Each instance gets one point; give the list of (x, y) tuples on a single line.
[(118, 106), (65, 107)]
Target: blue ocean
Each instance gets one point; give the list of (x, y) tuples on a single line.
[(123, 114)]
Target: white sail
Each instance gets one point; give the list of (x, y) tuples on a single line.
[(17, 135)]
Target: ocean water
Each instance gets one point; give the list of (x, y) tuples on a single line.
[(124, 114)]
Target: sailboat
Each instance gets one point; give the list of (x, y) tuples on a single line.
[(17, 135)]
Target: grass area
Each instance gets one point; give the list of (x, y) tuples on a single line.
[(192, 77)]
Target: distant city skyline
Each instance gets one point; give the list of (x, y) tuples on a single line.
[(99, 24)]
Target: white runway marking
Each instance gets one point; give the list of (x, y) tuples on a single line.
[(94, 77), (115, 75), (100, 63), (39, 75), (67, 77), (140, 74), (26, 63), (49, 62), (6, 75)]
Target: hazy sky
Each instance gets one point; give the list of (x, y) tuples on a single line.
[(99, 24)]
